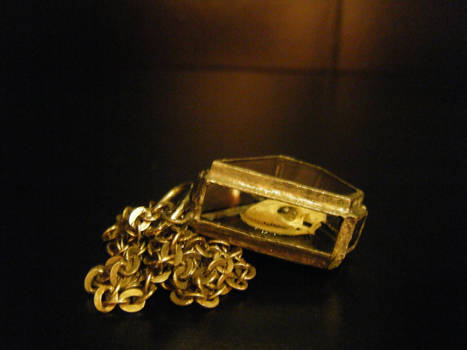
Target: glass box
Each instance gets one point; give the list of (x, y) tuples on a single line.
[(282, 207)]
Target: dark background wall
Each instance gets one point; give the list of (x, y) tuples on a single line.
[(344, 35)]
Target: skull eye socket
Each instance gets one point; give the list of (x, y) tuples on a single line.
[(289, 213)]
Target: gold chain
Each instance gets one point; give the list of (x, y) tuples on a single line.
[(151, 246)]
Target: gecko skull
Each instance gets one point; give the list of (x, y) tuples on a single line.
[(283, 219)]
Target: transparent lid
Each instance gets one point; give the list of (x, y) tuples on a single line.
[(289, 180)]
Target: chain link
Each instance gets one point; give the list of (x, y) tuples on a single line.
[(154, 246)]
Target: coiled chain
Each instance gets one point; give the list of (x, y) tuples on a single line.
[(152, 246)]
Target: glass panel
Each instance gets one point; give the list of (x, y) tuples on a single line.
[(299, 172), (356, 234), (268, 219)]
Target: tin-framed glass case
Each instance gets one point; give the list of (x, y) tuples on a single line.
[(280, 206)]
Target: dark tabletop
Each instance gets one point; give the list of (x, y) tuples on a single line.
[(91, 139)]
